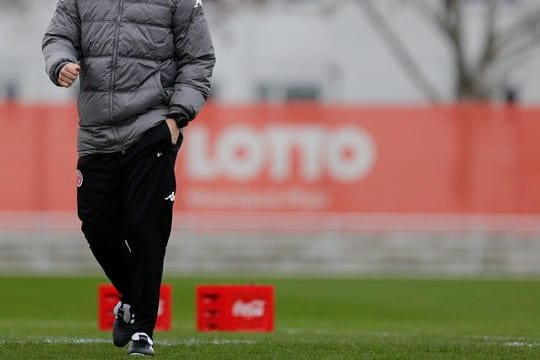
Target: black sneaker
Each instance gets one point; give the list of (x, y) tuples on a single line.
[(141, 345), (123, 320)]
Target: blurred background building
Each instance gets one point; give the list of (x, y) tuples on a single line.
[(333, 51), (375, 67)]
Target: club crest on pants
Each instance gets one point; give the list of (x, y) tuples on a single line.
[(79, 178)]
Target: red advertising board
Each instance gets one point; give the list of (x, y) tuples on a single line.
[(108, 297), (305, 158), (247, 308), (468, 159)]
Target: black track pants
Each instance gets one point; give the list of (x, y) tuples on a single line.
[(125, 204)]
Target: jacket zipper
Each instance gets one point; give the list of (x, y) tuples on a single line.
[(113, 73)]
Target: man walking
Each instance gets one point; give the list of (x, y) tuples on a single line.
[(144, 70)]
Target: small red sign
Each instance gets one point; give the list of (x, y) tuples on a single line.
[(108, 297), (247, 308)]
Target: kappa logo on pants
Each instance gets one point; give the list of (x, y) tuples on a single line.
[(171, 197)]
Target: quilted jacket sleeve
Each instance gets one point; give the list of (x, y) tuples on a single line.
[(195, 60), (61, 43)]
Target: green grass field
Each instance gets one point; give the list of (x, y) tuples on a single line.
[(55, 318)]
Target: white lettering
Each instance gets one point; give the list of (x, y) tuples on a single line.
[(240, 153), (311, 145), (243, 153), (199, 163), (281, 141), (351, 154), (249, 310)]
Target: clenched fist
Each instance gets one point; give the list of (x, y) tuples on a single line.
[(68, 74)]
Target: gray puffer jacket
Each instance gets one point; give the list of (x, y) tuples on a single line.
[(141, 61)]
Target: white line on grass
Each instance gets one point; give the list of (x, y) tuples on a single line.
[(79, 341), (510, 341), (205, 342), (521, 344), (503, 340), (345, 333)]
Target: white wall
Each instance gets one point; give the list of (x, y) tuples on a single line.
[(282, 43)]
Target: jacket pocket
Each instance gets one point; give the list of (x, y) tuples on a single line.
[(138, 101), (164, 95)]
